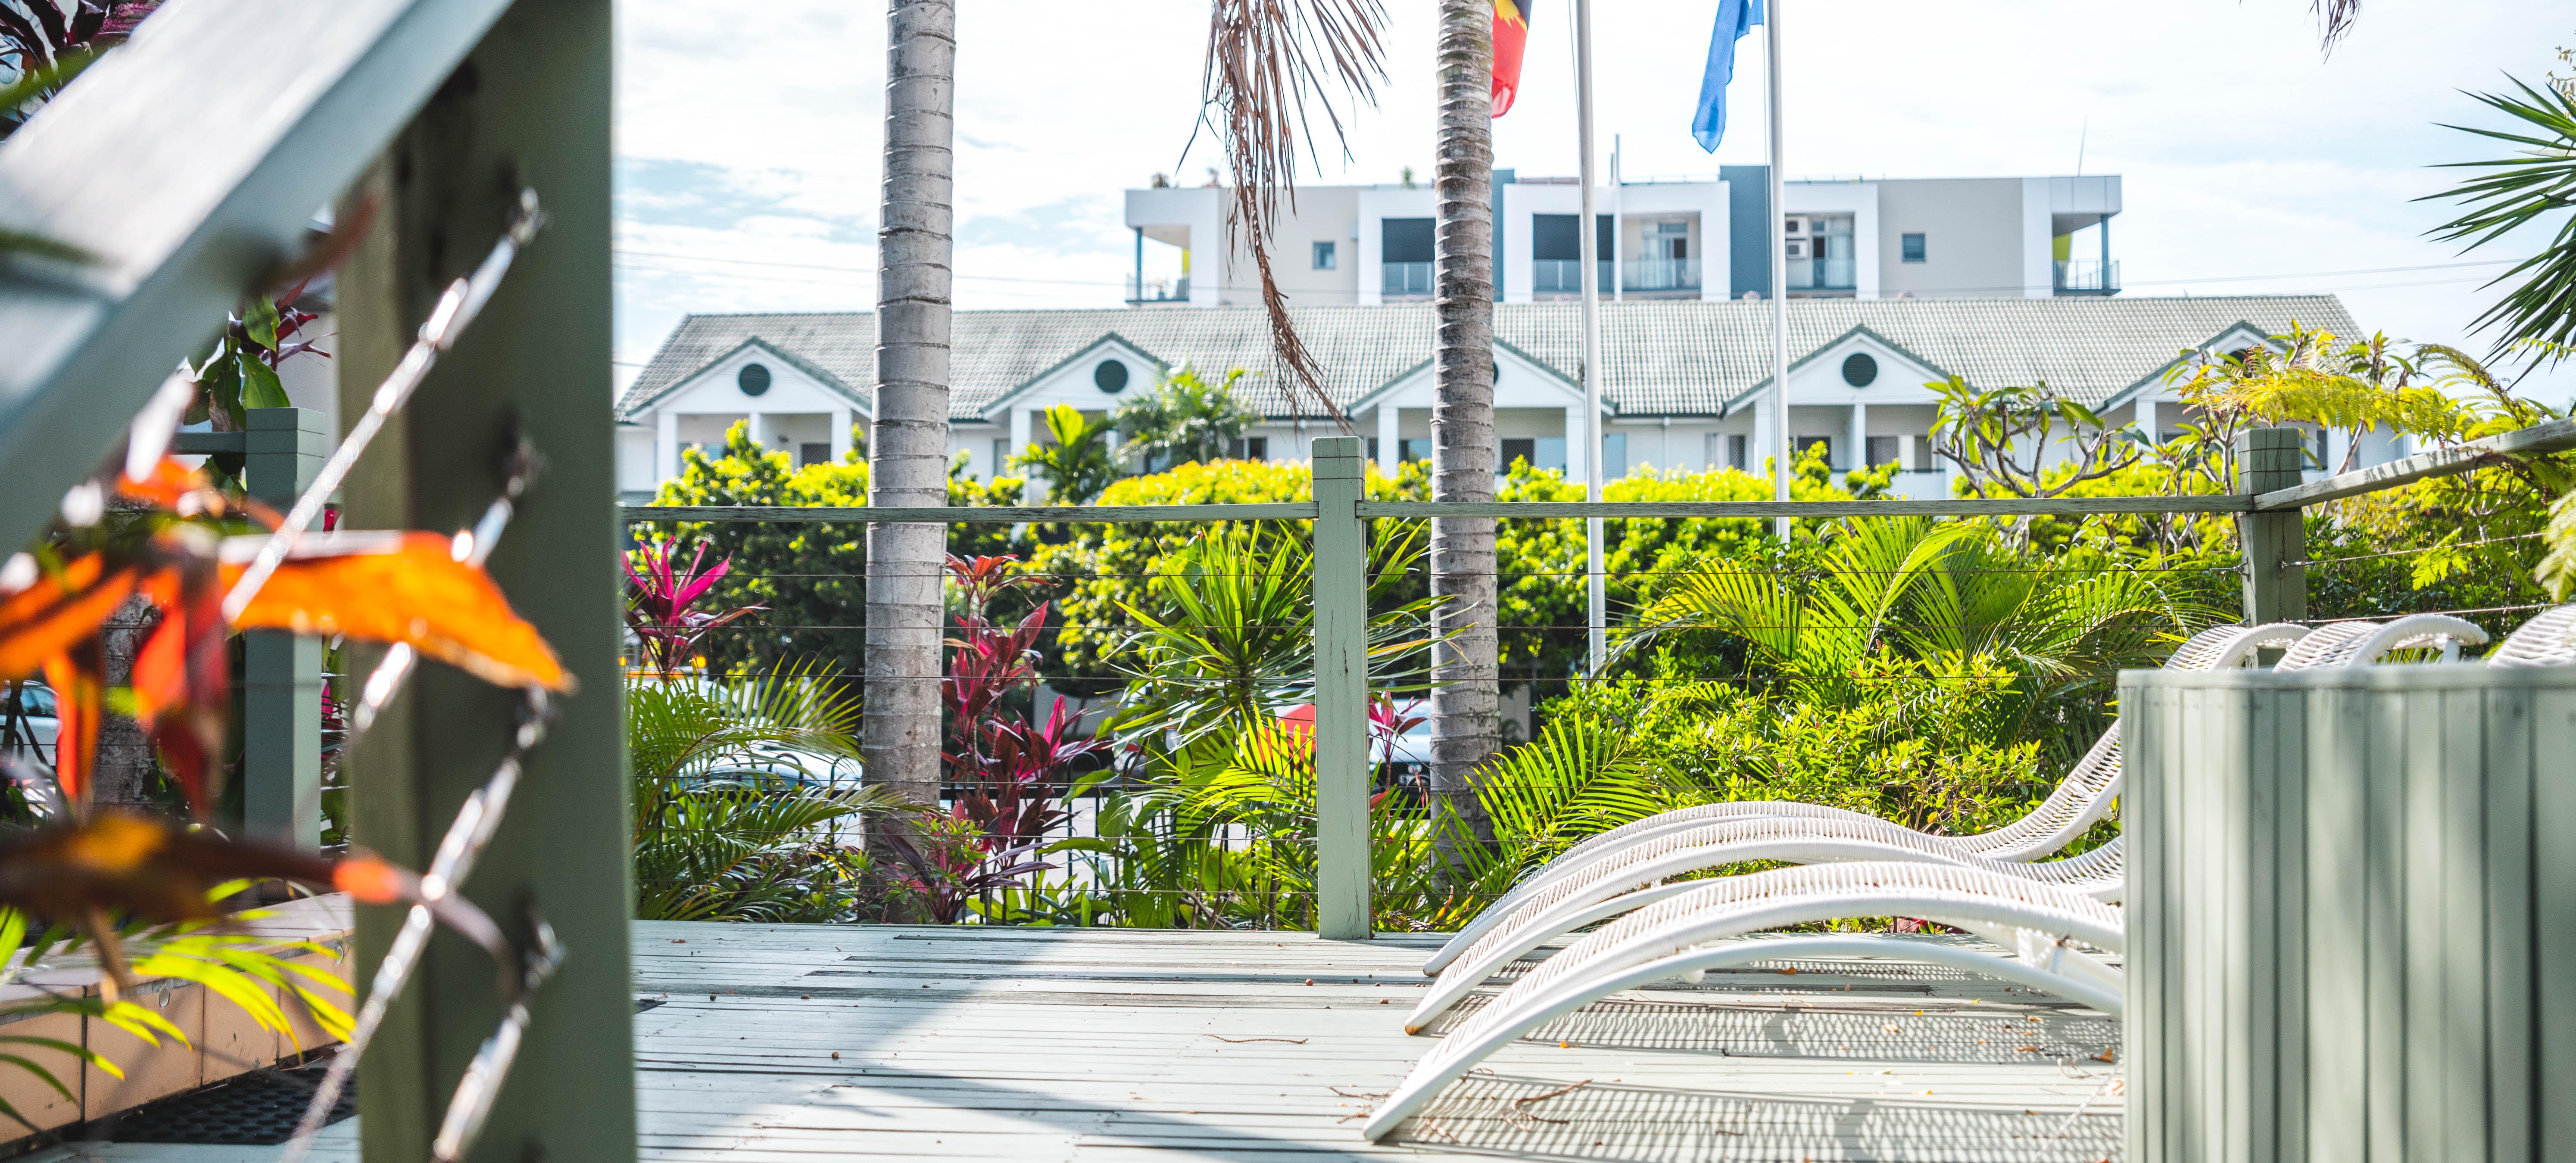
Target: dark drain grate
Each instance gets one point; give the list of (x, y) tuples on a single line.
[(257, 1109), (645, 1003)]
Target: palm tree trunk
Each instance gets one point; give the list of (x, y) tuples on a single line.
[(908, 452), (1465, 724)]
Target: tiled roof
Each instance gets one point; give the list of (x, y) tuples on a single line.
[(1663, 357)]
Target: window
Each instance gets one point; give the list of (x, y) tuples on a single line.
[(1404, 240), (1913, 247), (1248, 448), (1413, 448), (753, 379), (1799, 446), (1882, 450), (1001, 456), (1860, 371), (1110, 376), (813, 454), (1556, 238), (1327, 256), (1517, 449), (1731, 454), (1614, 455)]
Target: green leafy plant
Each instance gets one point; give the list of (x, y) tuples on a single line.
[(732, 822), (249, 970), (2516, 191), (1078, 464), (1184, 419)]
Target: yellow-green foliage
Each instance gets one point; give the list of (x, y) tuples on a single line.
[(1542, 561), (1093, 569), (807, 574)]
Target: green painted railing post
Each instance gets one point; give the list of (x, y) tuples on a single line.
[(281, 672), (2275, 542), (1342, 905), (528, 109)]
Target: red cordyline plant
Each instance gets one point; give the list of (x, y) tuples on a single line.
[(660, 600), (1010, 771)]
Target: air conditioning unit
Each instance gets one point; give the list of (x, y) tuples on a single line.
[(1797, 248), (1796, 226)]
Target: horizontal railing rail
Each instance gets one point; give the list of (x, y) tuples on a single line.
[(2547, 436), (972, 515)]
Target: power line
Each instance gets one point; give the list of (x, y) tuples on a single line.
[(840, 268)]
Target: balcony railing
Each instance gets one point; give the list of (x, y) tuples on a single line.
[(1406, 279), (1158, 290), (1661, 274), (1821, 274), (2088, 277), (1564, 276)]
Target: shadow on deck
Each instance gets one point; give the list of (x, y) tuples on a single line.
[(798, 1042)]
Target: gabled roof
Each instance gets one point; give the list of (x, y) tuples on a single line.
[(1664, 357), (1107, 340), (2155, 379), (1763, 384), (864, 400)]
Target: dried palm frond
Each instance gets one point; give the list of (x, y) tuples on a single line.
[(2334, 19), (1267, 60)]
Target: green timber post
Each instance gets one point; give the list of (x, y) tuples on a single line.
[(2275, 542), (1342, 896), (281, 769), (528, 108)]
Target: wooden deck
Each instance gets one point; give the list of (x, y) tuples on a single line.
[(799, 1043)]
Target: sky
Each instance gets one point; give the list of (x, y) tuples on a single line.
[(747, 148)]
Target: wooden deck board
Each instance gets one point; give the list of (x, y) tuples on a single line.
[(1110, 1046)]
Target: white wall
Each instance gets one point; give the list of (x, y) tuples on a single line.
[(1858, 199)]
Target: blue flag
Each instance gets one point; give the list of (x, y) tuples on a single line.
[(1734, 19)]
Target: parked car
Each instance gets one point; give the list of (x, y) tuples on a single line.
[(27, 722)]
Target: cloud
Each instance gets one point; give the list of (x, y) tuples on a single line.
[(2244, 151)]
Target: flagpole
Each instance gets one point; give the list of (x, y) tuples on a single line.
[(1779, 275), (1596, 619)]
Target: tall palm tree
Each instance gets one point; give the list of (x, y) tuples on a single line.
[(908, 452), (1466, 727)]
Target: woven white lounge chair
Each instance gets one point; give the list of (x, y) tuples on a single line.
[(1633, 878), (2361, 643), (1630, 877), (1670, 938), (2547, 638), (2073, 806)]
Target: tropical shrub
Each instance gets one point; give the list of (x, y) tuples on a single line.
[(807, 575), (731, 821), (1184, 419)]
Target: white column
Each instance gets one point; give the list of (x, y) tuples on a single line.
[(1905, 451), (841, 422), (1035, 490), (1860, 436), (1390, 439), (1578, 459), (759, 426), (2146, 420), (1759, 448), (666, 446)]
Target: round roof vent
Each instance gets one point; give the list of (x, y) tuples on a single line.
[(1111, 376), (1860, 371), (753, 379)]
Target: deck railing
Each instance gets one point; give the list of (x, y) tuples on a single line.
[(2272, 577)]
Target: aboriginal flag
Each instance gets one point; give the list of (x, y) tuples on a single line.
[(1511, 33)]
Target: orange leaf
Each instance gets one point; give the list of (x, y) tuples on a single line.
[(413, 592), (176, 487), (46, 618), (182, 678), (80, 696)]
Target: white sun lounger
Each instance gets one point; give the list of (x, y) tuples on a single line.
[(1630, 876), (1664, 935), (1670, 938), (2073, 806)]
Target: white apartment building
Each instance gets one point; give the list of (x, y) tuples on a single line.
[(2032, 237), (1686, 383)]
